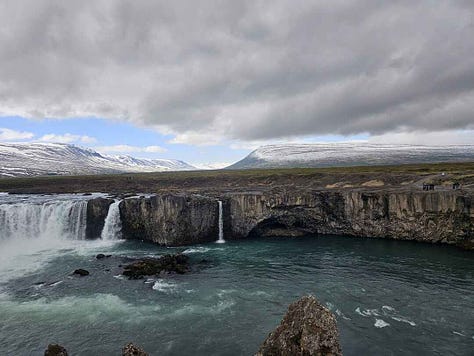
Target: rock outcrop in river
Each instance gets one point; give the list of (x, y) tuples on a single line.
[(307, 329), (436, 217)]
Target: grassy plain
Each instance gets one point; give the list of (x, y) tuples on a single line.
[(409, 176)]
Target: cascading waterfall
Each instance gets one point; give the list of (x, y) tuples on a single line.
[(50, 219), (221, 224), (113, 224)]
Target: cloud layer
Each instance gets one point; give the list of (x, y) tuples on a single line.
[(242, 70)]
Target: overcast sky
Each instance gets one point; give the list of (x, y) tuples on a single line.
[(234, 74)]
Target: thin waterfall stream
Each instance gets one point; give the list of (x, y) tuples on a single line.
[(221, 224)]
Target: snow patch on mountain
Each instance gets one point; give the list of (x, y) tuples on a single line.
[(351, 154), (32, 159)]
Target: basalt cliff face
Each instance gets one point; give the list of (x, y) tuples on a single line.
[(437, 217), (97, 210), (445, 217), (170, 219)]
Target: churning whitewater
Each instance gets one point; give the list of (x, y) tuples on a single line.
[(34, 218)]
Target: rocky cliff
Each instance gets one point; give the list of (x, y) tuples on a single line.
[(444, 216), (97, 210), (170, 219), (438, 217)]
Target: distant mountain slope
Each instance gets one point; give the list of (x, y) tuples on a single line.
[(350, 154), (32, 159)]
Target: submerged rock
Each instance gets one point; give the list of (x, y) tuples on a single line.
[(152, 266), (100, 256), (81, 272), (132, 350), (55, 350), (307, 329)]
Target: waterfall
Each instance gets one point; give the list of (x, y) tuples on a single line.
[(113, 224), (221, 224), (50, 220)]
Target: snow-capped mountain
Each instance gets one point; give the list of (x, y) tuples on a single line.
[(32, 159), (351, 154)]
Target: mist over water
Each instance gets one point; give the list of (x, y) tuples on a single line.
[(389, 297)]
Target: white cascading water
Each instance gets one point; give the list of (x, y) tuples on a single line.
[(113, 224), (221, 224), (51, 220)]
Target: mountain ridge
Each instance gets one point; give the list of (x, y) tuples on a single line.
[(34, 159), (350, 154)]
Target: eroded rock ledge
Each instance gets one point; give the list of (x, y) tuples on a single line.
[(436, 217)]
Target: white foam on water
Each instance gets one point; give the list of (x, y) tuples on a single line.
[(218, 308), (379, 323), (55, 284), (90, 309), (196, 250), (392, 313), (367, 312), (163, 286), (403, 320)]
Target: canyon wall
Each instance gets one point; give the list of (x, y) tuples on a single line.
[(170, 219), (437, 217)]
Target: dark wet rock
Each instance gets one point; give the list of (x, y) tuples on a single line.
[(97, 210), (133, 350), (307, 329), (87, 194), (100, 256), (55, 350), (170, 220), (154, 266), (81, 272)]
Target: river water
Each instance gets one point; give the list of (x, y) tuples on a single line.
[(390, 297)]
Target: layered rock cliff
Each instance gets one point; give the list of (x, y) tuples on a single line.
[(170, 219), (444, 216), (438, 217)]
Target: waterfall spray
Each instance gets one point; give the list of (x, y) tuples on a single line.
[(221, 224), (113, 224), (50, 220)]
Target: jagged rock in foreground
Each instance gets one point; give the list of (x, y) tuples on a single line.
[(307, 329), (55, 350), (132, 350)]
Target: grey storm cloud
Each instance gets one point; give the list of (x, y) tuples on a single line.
[(242, 70)]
